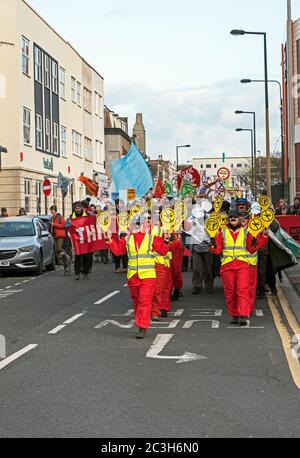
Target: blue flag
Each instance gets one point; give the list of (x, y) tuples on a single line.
[(132, 171)]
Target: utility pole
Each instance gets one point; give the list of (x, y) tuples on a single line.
[(291, 135)]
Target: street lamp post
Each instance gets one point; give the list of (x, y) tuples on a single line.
[(268, 155), (252, 153), (177, 148), (254, 165), (247, 81)]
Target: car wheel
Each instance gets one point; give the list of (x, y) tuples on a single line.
[(51, 267), (39, 269)]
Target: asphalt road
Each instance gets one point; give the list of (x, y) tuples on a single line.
[(87, 381)]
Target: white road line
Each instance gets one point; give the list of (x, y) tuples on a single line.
[(17, 284), (33, 278), (16, 355), (106, 297), (125, 285), (8, 287), (57, 329), (74, 318), (25, 281), (245, 327)]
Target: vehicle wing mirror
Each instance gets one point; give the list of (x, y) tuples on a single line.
[(44, 233)]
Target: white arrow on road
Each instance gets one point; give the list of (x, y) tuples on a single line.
[(161, 341)]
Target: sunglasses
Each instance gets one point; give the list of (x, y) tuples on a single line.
[(233, 218)]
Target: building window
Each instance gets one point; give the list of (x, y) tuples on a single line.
[(87, 100), (98, 104), (27, 184), (38, 64), (62, 82), (48, 135), (98, 151), (47, 72), (63, 141), (73, 84), (208, 166), (88, 149), (55, 138), (239, 166), (76, 143), (54, 77), (39, 131), (55, 191), (215, 166), (38, 197), (201, 166), (78, 93), (25, 56), (26, 126)]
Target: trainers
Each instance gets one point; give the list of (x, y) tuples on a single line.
[(77, 277), (141, 334), (244, 321), (163, 313), (196, 291), (235, 320)]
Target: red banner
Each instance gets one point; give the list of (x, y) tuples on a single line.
[(291, 224), (87, 235)]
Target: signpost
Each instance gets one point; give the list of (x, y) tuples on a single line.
[(47, 191), (223, 173)]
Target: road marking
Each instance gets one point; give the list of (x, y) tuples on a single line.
[(259, 313), (286, 340), (214, 323), (8, 287), (25, 281), (125, 285), (106, 297), (130, 312), (158, 345), (207, 312), (33, 278), (74, 318), (179, 312), (245, 327), (16, 355), (57, 329), (165, 325), (17, 284), (115, 323)]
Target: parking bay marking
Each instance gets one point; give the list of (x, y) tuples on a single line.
[(106, 297), (158, 345), (17, 355)]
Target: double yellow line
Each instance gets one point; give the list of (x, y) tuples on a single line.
[(286, 338)]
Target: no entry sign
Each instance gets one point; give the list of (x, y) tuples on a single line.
[(224, 173), (47, 188)]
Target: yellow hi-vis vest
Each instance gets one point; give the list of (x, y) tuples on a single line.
[(234, 250), (140, 261), (158, 259), (253, 259)]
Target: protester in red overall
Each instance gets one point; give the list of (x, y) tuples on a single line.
[(235, 245), (141, 270), (177, 251), (262, 240)]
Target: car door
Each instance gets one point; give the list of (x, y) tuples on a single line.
[(44, 242)]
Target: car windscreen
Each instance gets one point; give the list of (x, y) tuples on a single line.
[(16, 229)]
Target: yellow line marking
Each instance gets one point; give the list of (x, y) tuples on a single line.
[(286, 342)]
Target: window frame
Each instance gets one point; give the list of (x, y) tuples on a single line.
[(63, 141), (54, 76), (62, 83), (38, 67), (47, 71), (47, 135), (39, 117), (78, 93), (25, 55), (55, 137), (26, 126)]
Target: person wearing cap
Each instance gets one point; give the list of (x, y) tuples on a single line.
[(235, 244), (242, 205), (140, 246)]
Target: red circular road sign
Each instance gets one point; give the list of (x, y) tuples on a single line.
[(47, 188), (190, 174), (224, 173)]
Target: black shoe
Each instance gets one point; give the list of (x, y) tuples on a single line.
[(141, 334), (235, 320), (196, 291), (163, 313), (244, 321), (77, 277), (176, 295)]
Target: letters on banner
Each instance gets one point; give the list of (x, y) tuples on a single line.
[(86, 235)]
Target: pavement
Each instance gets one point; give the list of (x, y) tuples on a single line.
[(74, 368), (291, 288)]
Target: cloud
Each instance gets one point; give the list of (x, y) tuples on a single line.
[(202, 116)]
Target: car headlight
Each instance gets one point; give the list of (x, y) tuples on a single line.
[(27, 249)]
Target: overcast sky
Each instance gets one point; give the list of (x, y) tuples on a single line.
[(176, 62)]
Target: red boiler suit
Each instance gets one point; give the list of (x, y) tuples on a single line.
[(141, 290), (236, 278)]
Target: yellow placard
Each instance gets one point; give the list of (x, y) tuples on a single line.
[(264, 202), (212, 226), (224, 221), (135, 211), (104, 219), (123, 221), (181, 213), (255, 226), (218, 204), (267, 217), (167, 218)]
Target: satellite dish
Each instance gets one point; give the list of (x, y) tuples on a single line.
[(206, 206)]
